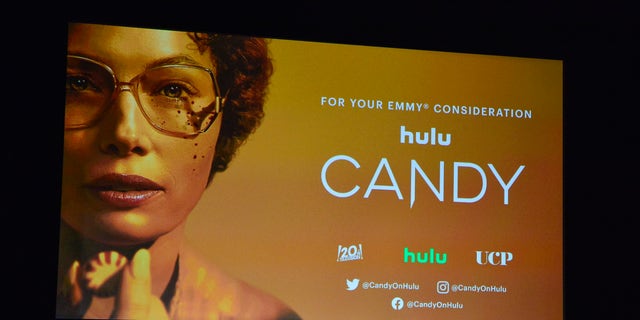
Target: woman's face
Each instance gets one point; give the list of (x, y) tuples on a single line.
[(125, 182)]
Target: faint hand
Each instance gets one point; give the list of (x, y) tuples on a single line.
[(134, 299)]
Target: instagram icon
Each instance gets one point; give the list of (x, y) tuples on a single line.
[(442, 287)]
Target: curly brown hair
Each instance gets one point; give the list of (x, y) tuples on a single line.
[(243, 70)]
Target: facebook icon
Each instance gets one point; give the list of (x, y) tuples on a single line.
[(397, 303)]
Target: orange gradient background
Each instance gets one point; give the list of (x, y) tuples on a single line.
[(269, 220)]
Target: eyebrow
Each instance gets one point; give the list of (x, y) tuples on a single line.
[(180, 59)]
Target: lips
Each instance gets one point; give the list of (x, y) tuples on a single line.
[(124, 191)]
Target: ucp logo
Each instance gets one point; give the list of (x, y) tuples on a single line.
[(499, 258)]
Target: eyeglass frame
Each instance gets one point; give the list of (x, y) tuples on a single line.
[(120, 86)]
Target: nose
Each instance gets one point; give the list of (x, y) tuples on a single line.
[(123, 129)]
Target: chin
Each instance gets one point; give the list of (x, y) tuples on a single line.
[(127, 230)]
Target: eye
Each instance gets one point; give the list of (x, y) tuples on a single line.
[(172, 82), (169, 88), (173, 91), (80, 83)]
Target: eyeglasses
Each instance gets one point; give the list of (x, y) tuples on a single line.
[(177, 99)]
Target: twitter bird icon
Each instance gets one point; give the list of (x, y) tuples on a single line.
[(352, 284)]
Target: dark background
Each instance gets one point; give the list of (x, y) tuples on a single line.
[(596, 42)]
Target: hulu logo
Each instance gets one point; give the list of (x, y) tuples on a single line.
[(424, 257), (425, 137)]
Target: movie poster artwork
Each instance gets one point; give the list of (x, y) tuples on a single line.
[(390, 183)]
